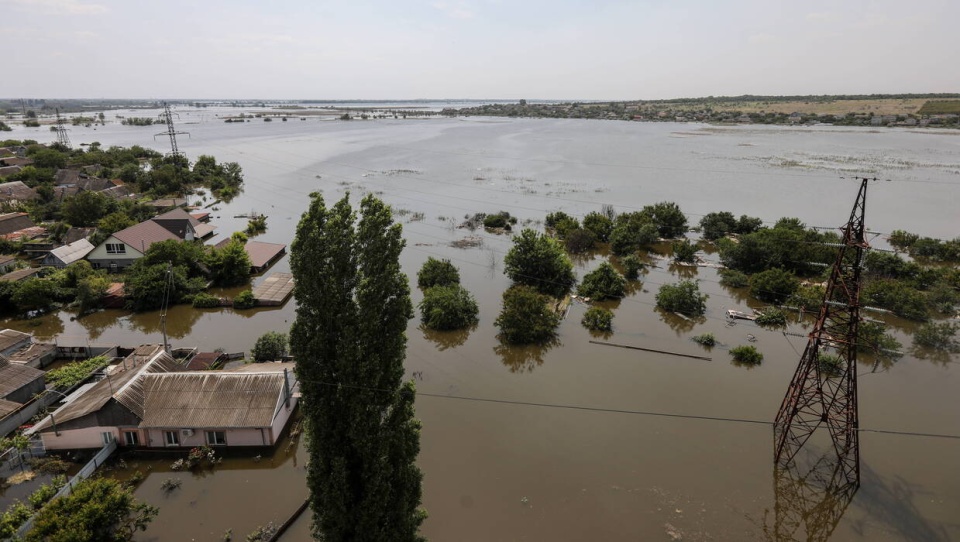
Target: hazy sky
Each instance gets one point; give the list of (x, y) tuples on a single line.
[(549, 49)]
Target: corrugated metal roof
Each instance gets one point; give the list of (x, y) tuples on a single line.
[(20, 274), (14, 222), (6, 407), (211, 399), (72, 252), (122, 385), (10, 337), (14, 376)]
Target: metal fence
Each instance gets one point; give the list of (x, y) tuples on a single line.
[(84, 473)]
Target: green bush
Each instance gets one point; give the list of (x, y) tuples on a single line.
[(539, 261), (579, 241), (773, 285), (705, 339), (436, 272), (733, 278), (75, 372), (772, 316), (746, 355), (598, 319), (526, 316), (598, 224), (204, 300), (604, 282), (898, 297), (270, 346), (244, 300), (683, 297), (499, 220), (872, 338), (831, 366), (448, 307), (684, 251), (11, 520), (631, 266)]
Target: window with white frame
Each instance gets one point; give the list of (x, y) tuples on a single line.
[(116, 248), (216, 438), (171, 438)]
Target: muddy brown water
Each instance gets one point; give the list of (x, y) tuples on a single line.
[(533, 464)]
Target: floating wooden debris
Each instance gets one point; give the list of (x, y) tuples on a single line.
[(739, 315), (274, 290)]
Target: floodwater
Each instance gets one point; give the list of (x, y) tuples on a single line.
[(568, 441)]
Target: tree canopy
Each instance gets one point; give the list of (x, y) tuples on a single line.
[(539, 261), (349, 341), (526, 316)]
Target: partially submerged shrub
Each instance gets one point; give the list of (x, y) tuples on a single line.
[(448, 307), (733, 278), (683, 297), (772, 316), (436, 272), (598, 319), (604, 282), (631, 266), (705, 339), (746, 355)]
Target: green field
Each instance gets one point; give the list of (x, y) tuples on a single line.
[(940, 107)]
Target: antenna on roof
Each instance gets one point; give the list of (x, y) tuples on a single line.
[(166, 304)]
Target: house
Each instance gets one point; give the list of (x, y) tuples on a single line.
[(108, 409), (19, 383), (76, 234), (12, 340), (124, 247), (19, 348), (67, 254), (12, 223), (7, 262), (20, 274), (151, 404), (9, 171), (218, 408)]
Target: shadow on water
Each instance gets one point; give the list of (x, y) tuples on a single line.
[(813, 494), (447, 339), (46, 327), (526, 358), (180, 320)]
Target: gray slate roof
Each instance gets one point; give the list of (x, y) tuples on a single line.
[(211, 399), (68, 254), (14, 376)]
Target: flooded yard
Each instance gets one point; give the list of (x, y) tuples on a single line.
[(575, 440)]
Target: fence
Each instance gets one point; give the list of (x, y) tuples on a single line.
[(84, 473)]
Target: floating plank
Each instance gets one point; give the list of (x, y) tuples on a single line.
[(652, 350), (274, 290)]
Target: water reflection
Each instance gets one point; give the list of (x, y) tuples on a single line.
[(524, 359), (679, 323), (44, 328), (447, 339), (180, 320), (684, 271), (97, 322), (811, 493)]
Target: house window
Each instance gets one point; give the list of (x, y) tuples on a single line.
[(107, 437), (131, 438), (116, 248), (171, 438), (216, 438)]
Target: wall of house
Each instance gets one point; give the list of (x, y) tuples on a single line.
[(75, 439), (235, 437), (26, 392), (283, 417), (99, 256)]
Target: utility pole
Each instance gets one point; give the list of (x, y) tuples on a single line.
[(822, 393), (62, 137)]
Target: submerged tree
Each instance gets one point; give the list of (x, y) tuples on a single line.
[(349, 343)]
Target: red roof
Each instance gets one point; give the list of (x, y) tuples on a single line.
[(144, 234)]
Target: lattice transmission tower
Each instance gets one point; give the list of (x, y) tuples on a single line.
[(823, 390), (172, 132), (62, 137)]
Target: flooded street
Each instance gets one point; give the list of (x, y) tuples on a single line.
[(575, 440)]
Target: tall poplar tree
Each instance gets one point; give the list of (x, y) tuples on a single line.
[(353, 303)]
